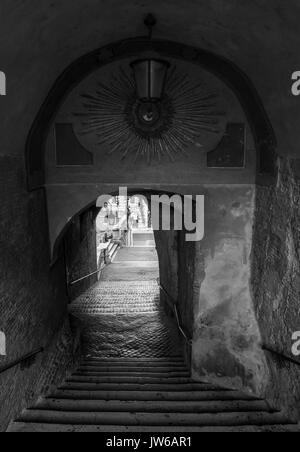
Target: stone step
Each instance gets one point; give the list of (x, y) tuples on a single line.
[(128, 379), (134, 375), (175, 361), (153, 419), (133, 369), (110, 305), (118, 312), (23, 427), (151, 406), (112, 249), (125, 310), (85, 386), (113, 306), (115, 301), (153, 395)]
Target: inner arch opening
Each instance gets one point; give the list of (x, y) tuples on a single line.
[(137, 304)]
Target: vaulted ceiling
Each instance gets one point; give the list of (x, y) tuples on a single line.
[(40, 38)]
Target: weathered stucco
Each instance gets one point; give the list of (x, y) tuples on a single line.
[(71, 187), (276, 278), (226, 338)]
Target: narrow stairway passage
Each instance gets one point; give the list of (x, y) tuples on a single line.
[(133, 377), (146, 395), (122, 316)]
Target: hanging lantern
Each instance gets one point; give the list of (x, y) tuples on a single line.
[(150, 78)]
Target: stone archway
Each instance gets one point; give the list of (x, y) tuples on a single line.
[(227, 71), (226, 334)]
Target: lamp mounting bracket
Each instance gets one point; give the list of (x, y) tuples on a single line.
[(150, 22)]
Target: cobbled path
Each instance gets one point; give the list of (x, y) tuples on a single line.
[(124, 318)]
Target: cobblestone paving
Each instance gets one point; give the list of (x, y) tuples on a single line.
[(130, 336), (122, 317), (119, 297)]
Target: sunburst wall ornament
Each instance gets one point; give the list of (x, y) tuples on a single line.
[(187, 114)]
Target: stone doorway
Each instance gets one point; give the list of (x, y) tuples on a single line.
[(122, 315)]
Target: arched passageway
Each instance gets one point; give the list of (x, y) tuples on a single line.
[(133, 356), (206, 142), (211, 139), (127, 306)]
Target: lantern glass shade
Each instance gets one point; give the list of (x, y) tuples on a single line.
[(150, 78)]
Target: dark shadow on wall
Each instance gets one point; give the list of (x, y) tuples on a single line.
[(79, 243), (177, 261), (33, 297), (276, 280)]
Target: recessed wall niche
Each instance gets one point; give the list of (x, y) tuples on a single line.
[(230, 153), (69, 152)]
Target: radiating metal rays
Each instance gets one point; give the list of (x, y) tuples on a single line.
[(187, 111)]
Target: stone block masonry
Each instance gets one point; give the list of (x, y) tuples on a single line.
[(276, 278), (33, 300), (2, 344), (81, 252)]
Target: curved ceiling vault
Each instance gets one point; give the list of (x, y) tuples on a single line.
[(261, 38), (252, 47), (81, 68)]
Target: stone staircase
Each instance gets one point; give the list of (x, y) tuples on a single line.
[(112, 250), (146, 395)]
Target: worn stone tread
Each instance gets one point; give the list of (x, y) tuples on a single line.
[(132, 370), (159, 419), (21, 427), (84, 386), (151, 406), (145, 374), (153, 395), (128, 379)]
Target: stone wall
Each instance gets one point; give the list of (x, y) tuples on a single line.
[(176, 263), (167, 250), (276, 278), (186, 280), (33, 299), (81, 252), (22, 385), (226, 343)]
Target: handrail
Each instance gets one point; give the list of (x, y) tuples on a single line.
[(281, 355), (189, 341), (21, 360), (174, 306), (171, 300), (76, 281)]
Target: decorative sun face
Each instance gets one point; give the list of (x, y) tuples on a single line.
[(189, 114), (148, 112)]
